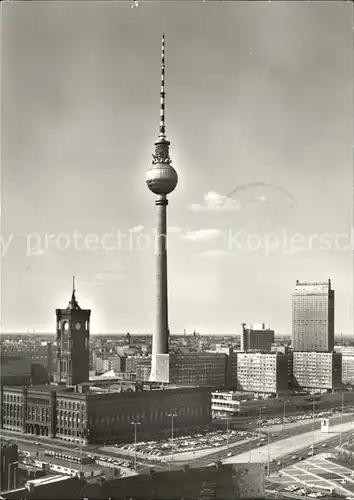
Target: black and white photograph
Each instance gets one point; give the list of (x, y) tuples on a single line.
[(176, 249)]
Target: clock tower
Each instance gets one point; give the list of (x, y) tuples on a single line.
[(73, 334)]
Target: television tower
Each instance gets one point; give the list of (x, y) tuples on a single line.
[(161, 180)]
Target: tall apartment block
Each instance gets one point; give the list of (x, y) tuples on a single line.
[(262, 373), (318, 370), (313, 316), (256, 338)]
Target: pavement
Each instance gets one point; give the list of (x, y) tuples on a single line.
[(290, 445), (319, 472)]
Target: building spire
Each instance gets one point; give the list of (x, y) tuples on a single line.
[(162, 150), (73, 302)]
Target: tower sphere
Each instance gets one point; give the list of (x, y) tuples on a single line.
[(161, 178)]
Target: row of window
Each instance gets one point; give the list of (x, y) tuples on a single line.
[(74, 405)]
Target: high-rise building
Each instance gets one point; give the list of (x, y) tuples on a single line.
[(348, 369), (161, 180), (313, 316), (317, 370), (8, 465), (263, 373), (73, 332), (256, 338)]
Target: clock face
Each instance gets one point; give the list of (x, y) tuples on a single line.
[(66, 326), (77, 326)]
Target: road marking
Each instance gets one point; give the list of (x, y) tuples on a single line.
[(334, 484), (323, 481)]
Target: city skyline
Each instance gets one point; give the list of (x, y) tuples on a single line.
[(80, 117)]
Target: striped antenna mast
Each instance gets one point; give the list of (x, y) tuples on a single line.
[(162, 128), (162, 145)]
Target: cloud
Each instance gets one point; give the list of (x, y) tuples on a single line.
[(216, 201), (108, 276), (215, 254), (39, 252), (174, 229), (103, 277), (202, 235), (136, 229)]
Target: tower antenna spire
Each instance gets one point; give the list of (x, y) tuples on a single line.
[(74, 284), (162, 145), (162, 129)]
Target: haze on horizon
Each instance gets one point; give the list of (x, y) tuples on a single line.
[(259, 115)]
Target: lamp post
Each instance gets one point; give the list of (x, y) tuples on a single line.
[(172, 415), (260, 422), (313, 426), (81, 434), (135, 453), (260, 419), (284, 412), (250, 453), (341, 421), (268, 452), (227, 431)]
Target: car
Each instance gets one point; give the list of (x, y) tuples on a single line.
[(325, 446), (229, 454)]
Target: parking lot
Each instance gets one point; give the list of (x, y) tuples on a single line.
[(316, 477), (277, 422), (183, 444)]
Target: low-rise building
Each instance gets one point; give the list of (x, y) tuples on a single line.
[(228, 402), (93, 412), (209, 369), (116, 363), (44, 353), (317, 370), (347, 350), (15, 370)]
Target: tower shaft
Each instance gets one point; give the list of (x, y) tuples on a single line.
[(160, 335)]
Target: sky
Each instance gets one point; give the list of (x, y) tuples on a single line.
[(259, 111)]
